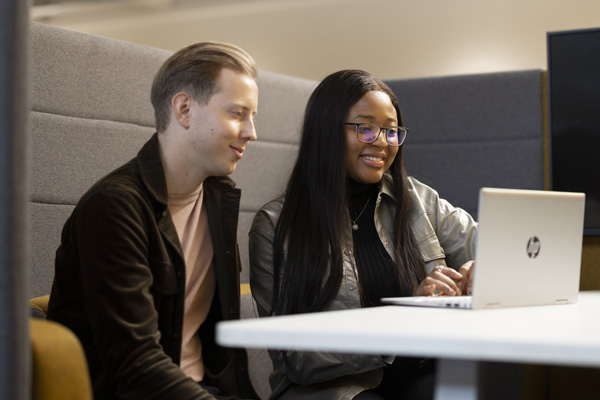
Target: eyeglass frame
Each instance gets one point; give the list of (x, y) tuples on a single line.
[(356, 125)]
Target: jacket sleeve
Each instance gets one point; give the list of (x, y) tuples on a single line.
[(457, 232), (300, 367), (441, 228), (110, 233)]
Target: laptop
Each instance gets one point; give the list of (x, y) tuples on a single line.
[(528, 251)]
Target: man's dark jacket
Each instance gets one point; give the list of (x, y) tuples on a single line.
[(120, 284)]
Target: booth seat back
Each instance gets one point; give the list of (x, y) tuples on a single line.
[(476, 130), (91, 113)]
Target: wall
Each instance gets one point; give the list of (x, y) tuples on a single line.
[(312, 38)]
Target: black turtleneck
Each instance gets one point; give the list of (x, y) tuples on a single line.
[(377, 272)]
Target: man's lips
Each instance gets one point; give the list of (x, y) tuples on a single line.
[(238, 151)]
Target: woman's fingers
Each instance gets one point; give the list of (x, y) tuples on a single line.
[(441, 281), (466, 282), (446, 281)]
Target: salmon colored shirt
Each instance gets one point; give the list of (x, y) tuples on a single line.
[(191, 223)]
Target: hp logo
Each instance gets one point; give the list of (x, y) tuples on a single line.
[(533, 247)]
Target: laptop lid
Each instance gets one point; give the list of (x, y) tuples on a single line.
[(528, 248), (528, 251)]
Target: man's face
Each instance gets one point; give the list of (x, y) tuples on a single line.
[(221, 129)]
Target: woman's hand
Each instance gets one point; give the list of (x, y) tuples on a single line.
[(447, 281), (466, 282)]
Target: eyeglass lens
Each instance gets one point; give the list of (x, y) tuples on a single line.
[(368, 133)]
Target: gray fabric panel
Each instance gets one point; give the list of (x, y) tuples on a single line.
[(262, 175), (498, 106), (263, 172), (457, 171), (15, 347), (259, 362), (70, 154), (115, 78), (87, 76), (46, 222), (260, 367), (474, 130), (281, 103), (244, 223)]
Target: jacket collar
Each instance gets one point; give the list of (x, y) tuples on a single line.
[(151, 170), (385, 186), (153, 174)]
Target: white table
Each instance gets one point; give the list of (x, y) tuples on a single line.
[(560, 335)]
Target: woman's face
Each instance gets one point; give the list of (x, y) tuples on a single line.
[(367, 162)]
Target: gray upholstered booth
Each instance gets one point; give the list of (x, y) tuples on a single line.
[(474, 130), (91, 112)]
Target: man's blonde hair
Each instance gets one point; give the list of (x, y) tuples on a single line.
[(194, 69)]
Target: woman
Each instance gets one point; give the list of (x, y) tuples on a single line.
[(350, 229)]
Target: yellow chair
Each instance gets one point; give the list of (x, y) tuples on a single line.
[(39, 305), (59, 366)]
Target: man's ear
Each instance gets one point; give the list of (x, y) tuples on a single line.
[(181, 104)]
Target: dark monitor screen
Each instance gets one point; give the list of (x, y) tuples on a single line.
[(574, 117)]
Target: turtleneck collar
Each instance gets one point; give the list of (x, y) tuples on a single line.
[(360, 191)]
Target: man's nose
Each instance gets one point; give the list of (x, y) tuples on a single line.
[(249, 131)]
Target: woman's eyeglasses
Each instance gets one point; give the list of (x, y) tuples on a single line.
[(368, 133)]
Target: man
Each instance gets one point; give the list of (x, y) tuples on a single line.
[(148, 260)]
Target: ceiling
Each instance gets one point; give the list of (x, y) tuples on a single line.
[(312, 38)]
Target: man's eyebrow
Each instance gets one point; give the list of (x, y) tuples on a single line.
[(245, 108)]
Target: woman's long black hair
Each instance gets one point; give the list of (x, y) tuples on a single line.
[(314, 219)]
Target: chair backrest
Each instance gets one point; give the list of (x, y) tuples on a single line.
[(59, 367)]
